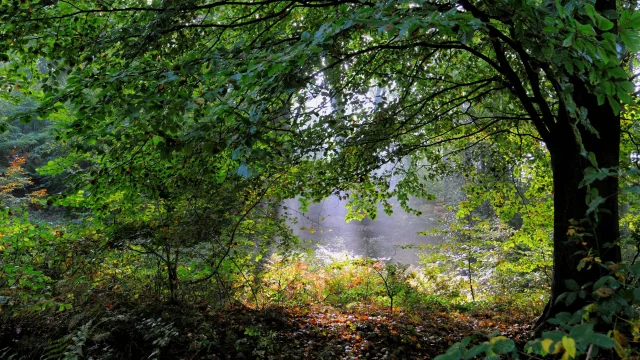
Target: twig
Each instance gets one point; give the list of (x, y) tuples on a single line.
[(589, 352)]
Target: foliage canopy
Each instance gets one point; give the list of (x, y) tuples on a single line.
[(187, 112)]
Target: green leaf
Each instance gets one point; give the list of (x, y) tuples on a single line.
[(615, 105), (610, 41), (561, 297), (627, 86), (631, 39), (476, 350), (503, 346), (569, 39), (586, 29), (591, 11), (448, 357), (603, 23), (582, 331), (553, 335), (602, 54), (613, 283), (572, 285), (244, 171), (624, 96), (630, 19), (563, 317), (609, 88), (601, 340), (593, 205), (592, 159), (467, 36), (618, 73)]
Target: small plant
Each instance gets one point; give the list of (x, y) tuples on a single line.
[(261, 342), (392, 279), (160, 332), (74, 345)]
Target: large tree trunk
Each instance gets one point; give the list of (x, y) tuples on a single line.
[(568, 166)]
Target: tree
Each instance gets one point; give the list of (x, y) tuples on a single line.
[(418, 79)]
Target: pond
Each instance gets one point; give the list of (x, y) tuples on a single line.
[(325, 229)]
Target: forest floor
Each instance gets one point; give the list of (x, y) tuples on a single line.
[(153, 331), (327, 333)]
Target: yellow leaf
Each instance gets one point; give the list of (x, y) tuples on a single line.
[(621, 342), (605, 292), (498, 338), (546, 344), (569, 346), (312, 230), (571, 231), (619, 338)]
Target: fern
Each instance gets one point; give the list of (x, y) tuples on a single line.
[(75, 349), (57, 349), (71, 346), (4, 354), (100, 336), (75, 320)]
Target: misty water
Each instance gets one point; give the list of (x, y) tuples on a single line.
[(329, 235), (325, 230)]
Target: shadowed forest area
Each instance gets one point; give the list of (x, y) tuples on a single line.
[(319, 179)]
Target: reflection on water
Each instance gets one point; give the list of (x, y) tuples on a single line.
[(331, 236)]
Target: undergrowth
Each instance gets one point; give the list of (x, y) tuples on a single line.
[(344, 304)]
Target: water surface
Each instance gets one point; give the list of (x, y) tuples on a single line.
[(325, 227)]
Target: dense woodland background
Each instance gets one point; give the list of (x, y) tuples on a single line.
[(149, 149)]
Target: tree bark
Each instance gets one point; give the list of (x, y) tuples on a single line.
[(570, 205)]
